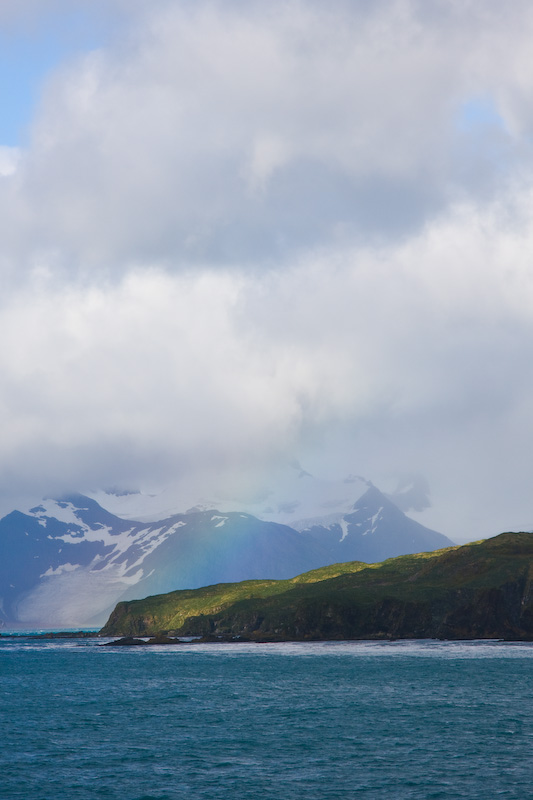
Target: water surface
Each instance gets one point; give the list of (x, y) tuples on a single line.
[(323, 720)]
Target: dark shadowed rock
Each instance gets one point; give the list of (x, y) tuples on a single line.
[(126, 641), (161, 638)]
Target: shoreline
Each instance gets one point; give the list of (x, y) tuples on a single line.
[(130, 641)]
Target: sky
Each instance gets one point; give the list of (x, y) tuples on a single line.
[(239, 234)]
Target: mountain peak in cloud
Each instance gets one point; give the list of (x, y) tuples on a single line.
[(411, 494)]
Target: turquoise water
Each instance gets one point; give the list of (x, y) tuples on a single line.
[(323, 720)]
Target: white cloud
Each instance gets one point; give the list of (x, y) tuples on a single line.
[(245, 232), (342, 121), (410, 357), (268, 154), (9, 158)]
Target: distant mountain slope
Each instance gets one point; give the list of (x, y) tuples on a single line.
[(212, 546), (67, 562), (479, 590), (375, 529)]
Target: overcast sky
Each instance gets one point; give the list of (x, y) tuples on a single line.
[(235, 234)]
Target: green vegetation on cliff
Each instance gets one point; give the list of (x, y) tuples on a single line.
[(479, 590)]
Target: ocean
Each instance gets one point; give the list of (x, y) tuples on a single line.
[(303, 721)]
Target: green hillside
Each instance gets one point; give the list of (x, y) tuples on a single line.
[(479, 590)]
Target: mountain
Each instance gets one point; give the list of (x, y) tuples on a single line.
[(479, 590), (373, 530), (66, 562)]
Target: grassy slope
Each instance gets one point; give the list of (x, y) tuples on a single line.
[(479, 589), (169, 611)]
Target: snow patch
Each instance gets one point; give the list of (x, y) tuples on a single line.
[(376, 518), (344, 528), (58, 509), (59, 570), (326, 521)]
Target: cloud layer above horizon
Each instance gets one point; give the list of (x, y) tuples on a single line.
[(244, 233)]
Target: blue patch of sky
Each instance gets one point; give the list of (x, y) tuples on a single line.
[(485, 146), (29, 53), (479, 112)]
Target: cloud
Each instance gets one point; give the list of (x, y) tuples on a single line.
[(231, 132), (9, 158), (244, 233), (412, 357)]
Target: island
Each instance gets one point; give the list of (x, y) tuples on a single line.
[(481, 590)]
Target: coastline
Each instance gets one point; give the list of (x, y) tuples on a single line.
[(164, 640)]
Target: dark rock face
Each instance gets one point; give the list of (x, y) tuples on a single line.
[(488, 614)]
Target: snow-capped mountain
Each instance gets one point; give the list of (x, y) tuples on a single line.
[(373, 530), (69, 559), (67, 562)]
